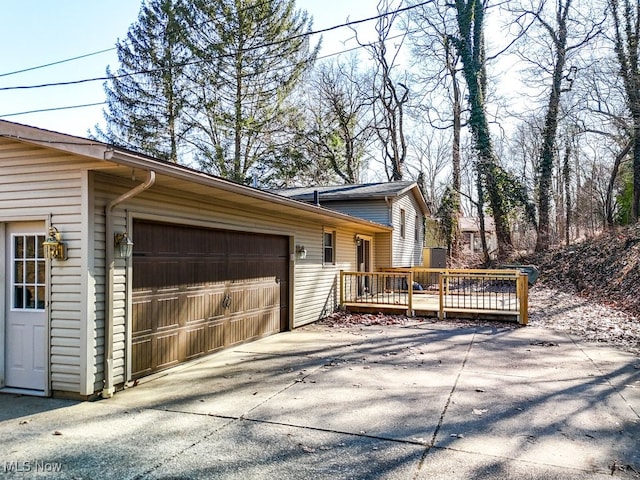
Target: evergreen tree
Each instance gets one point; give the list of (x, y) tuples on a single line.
[(146, 95), (248, 57)]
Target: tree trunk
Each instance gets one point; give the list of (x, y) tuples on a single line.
[(566, 174), (612, 182), (455, 156), (470, 46), (549, 134), (635, 208)]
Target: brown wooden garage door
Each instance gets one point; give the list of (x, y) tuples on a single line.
[(198, 290)]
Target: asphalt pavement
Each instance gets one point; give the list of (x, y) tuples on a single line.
[(423, 401)]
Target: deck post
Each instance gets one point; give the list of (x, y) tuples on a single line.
[(410, 312), (523, 293), (441, 297), (341, 287)]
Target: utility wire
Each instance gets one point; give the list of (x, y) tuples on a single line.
[(53, 109), (56, 63), (266, 45), (87, 54)]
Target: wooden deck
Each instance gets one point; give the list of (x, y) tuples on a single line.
[(475, 294)]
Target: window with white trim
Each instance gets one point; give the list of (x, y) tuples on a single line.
[(403, 223), (329, 247)]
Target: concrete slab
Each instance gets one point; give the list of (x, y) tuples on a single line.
[(97, 440), (263, 450), (447, 464), (431, 400)]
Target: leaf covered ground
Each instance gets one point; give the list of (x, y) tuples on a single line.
[(605, 268), (590, 289)]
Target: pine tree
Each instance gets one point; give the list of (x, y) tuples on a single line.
[(248, 57), (146, 95)]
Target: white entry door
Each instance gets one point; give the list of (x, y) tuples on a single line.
[(25, 316)]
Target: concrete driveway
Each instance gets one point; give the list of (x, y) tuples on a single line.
[(424, 401)]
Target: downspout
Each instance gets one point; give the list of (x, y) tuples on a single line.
[(108, 389)]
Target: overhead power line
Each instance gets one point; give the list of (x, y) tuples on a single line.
[(57, 62), (53, 109), (265, 45)]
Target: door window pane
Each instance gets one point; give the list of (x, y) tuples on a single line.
[(29, 273)]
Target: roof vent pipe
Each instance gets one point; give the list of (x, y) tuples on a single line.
[(316, 198)]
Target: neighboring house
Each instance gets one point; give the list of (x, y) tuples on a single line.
[(214, 263), (471, 238), (399, 205)]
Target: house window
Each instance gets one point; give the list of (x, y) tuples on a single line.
[(416, 230), (403, 223), (329, 247)]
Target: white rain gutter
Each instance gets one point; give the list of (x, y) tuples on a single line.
[(108, 389)]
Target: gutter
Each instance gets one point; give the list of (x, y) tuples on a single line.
[(109, 389)]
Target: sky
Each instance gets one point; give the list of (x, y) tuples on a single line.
[(40, 32)]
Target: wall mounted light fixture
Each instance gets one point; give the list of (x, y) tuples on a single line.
[(124, 245), (301, 252), (53, 247)]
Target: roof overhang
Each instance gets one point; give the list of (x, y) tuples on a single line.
[(127, 164)]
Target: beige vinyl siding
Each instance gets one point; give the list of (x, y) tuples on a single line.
[(318, 286), (97, 303), (383, 250), (315, 287), (103, 194), (39, 183), (406, 251)]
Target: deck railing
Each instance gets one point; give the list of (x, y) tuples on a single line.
[(462, 291), (376, 288)]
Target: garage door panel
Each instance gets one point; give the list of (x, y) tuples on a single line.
[(141, 353), (197, 307), (166, 350), (215, 336), (166, 312), (141, 315), (216, 308), (196, 342), (199, 290)]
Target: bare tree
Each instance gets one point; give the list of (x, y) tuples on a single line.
[(389, 95), (431, 153), (562, 28), (470, 44), (339, 117), (439, 74), (626, 23)]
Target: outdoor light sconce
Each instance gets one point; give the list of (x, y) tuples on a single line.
[(124, 245), (357, 240), (53, 247), (301, 252)]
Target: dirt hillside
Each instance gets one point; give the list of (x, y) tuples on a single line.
[(605, 269)]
